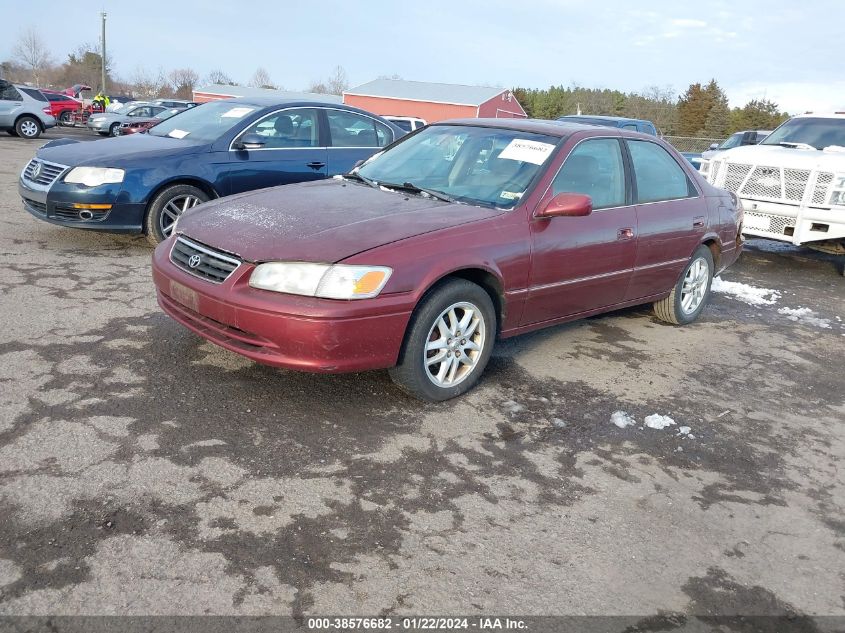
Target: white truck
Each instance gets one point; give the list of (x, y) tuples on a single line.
[(792, 185)]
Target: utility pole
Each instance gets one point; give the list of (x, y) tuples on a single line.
[(103, 56)]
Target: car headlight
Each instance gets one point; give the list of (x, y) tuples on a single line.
[(97, 119), (837, 194), (338, 281), (94, 176)]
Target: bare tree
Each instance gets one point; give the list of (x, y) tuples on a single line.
[(318, 87), (218, 77), (147, 85), (338, 81), (184, 81), (32, 53), (261, 79)]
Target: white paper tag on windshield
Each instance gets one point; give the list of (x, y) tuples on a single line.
[(527, 151), (178, 134), (236, 113)]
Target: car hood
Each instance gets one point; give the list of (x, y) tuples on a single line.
[(325, 221), (115, 152), (832, 160)]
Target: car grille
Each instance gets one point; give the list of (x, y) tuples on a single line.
[(208, 263), (47, 174), (771, 183)]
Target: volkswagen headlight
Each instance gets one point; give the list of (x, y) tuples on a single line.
[(837, 193), (338, 281), (94, 176)]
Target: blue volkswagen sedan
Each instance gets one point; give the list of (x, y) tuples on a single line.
[(144, 182)]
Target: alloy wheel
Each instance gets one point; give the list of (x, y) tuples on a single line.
[(454, 344), (29, 128), (173, 209), (695, 285)]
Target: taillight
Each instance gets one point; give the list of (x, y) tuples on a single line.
[(46, 109)]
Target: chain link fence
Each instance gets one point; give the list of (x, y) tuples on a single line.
[(691, 143)]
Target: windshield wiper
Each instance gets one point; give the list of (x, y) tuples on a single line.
[(431, 193), (796, 145), (354, 175)]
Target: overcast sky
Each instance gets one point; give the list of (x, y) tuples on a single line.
[(789, 52)]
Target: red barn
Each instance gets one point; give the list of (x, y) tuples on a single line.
[(433, 102)]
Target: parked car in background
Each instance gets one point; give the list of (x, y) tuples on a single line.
[(24, 111), (633, 125), (142, 125), (407, 123), (107, 123), (458, 234), (746, 137), (141, 183), (174, 103), (62, 106), (792, 185), (737, 139)]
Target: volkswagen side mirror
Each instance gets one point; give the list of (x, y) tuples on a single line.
[(251, 141)]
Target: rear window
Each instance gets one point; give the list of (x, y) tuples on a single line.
[(35, 94)]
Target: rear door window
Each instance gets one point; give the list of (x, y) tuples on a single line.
[(657, 175), (350, 129)]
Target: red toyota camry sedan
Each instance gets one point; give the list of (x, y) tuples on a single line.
[(461, 233)]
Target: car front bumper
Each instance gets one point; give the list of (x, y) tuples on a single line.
[(56, 206), (792, 223), (301, 333)]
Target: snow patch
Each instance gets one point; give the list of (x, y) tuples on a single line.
[(684, 430), (622, 419), (558, 423), (805, 316), (657, 421), (513, 407), (747, 294)]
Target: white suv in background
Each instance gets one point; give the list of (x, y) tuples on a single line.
[(792, 185), (407, 123)]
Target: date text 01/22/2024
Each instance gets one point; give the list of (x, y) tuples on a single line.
[(416, 623)]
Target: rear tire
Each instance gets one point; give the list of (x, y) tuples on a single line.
[(166, 208), (692, 291), (28, 127), (66, 118), (448, 342)]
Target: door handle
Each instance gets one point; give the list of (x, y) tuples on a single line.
[(316, 165), (624, 234), (698, 223)]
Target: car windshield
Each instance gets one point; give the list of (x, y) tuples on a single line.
[(205, 123), (732, 141), (816, 132), (484, 166)]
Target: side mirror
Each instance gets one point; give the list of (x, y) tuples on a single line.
[(713, 146), (570, 205), (251, 141)]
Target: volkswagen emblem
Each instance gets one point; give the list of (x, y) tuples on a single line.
[(36, 170), (194, 261)]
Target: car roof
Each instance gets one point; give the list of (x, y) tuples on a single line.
[(538, 126), (270, 102), (599, 117)]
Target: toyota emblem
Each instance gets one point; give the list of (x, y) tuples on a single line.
[(36, 170), (194, 261)]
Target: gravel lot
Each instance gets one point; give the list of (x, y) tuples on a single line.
[(144, 471)]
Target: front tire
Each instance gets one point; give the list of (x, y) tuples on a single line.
[(448, 342), (689, 296), (113, 129), (27, 127), (166, 208)]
